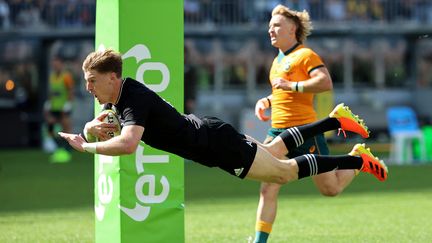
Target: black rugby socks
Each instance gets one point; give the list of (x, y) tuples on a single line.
[(311, 164), (295, 136)]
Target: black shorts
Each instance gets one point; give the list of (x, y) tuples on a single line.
[(227, 148)]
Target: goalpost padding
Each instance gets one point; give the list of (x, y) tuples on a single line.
[(140, 197)]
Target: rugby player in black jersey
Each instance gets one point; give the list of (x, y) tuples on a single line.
[(209, 141)]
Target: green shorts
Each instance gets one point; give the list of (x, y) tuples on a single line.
[(314, 145)]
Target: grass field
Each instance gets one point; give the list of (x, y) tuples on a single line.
[(43, 202)]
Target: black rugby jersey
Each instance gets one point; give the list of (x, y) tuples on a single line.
[(164, 127)]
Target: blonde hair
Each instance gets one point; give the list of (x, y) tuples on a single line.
[(103, 62), (301, 20)]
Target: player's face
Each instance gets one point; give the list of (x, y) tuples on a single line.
[(101, 86), (282, 32)]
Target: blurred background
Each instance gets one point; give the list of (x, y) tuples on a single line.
[(32, 33), (379, 53)]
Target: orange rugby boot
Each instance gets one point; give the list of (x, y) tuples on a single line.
[(349, 121), (371, 164)]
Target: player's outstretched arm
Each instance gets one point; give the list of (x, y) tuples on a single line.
[(125, 143), (75, 140)]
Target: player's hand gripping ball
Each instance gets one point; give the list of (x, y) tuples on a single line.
[(111, 118)]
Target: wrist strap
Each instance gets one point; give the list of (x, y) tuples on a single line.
[(90, 147), (269, 102), (297, 87), (294, 86), (300, 87)]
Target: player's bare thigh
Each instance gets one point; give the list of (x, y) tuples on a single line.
[(275, 146), (268, 168)]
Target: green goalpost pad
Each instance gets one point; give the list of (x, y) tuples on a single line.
[(140, 197)]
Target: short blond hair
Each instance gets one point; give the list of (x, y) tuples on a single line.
[(104, 61), (301, 20)]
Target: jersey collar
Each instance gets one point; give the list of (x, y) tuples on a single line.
[(284, 54), (121, 91)]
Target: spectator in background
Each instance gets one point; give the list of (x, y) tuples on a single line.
[(295, 4), (29, 16), (4, 15), (58, 109), (423, 11), (357, 10), (316, 9), (335, 10), (376, 10), (406, 10), (192, 11)]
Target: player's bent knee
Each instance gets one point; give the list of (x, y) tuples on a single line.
[(329, 191)]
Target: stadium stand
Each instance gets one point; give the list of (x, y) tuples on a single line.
[(378, 52)]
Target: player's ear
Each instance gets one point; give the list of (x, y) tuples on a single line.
[(113, 76)]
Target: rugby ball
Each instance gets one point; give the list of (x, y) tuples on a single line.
[(112, 118)]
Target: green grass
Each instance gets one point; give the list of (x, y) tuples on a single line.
[(43, 202), (399, 210)]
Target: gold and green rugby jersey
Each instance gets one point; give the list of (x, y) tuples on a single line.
[(293, 108), (59, 86)]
